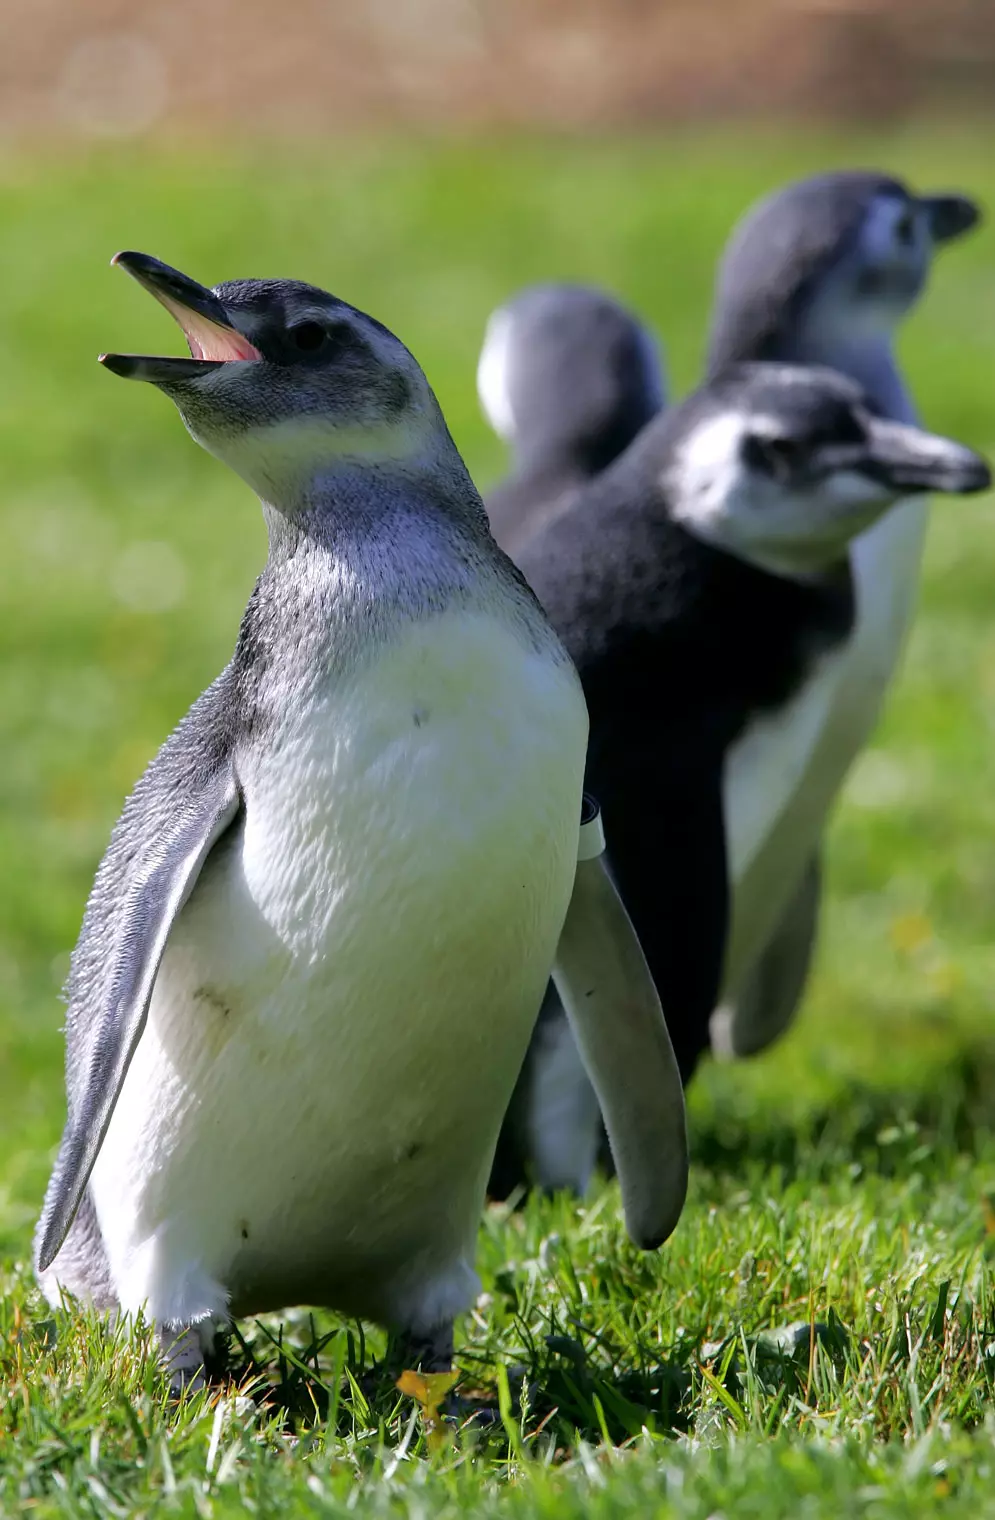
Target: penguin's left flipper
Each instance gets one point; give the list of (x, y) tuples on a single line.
[(606, 988), (163, 876)]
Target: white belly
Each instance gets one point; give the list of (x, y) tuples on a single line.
[(346, 999), (784, 775)]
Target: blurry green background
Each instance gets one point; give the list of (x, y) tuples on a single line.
[(128, 553)]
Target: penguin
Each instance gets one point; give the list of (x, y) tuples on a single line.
[(314, 950), (567, 376), (822, 271), (700, 584)]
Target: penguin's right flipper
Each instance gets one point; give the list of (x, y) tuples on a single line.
[(606, 988), (187, 799), (768, 998)]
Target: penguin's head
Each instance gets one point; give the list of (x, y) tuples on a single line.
[(783, 465), (826, 263), (566, 374), (286, 383)]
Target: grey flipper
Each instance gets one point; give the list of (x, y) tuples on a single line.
[(82, 1268), (769, 998), (615, 1016), (184, 802), (669, 864)]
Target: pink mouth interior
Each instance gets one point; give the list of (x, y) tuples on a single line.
[(207, 340)]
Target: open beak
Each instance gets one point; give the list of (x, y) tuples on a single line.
[(907, 459), (206, 326), (950, 216)]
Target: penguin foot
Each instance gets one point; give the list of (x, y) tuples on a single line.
[(407, 1352), (182, 1354), (421, 1352)]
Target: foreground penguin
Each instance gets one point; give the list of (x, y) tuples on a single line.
[(700, 584), (567, 377), (315, 948)]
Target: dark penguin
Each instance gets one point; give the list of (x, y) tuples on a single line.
[(699, 584)]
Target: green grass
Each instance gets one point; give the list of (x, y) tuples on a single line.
[(845, 1182)]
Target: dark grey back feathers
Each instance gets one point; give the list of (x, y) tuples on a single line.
[(582, 378)]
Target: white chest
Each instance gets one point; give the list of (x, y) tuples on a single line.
[(346, 998), (783, 776)]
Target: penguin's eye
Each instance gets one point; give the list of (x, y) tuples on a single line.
[(778, 457), (905, 229), (308, 336)]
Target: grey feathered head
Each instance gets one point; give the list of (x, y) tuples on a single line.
[(567, 370), (286, 381), (864, 234), (784, 465)]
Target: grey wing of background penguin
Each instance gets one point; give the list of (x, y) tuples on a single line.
[(186, 799)]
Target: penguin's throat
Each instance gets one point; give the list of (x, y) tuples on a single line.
[(302, 461), (856, 342)]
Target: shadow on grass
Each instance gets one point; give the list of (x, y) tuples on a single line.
[(572, 1388), (331, 1384), (884, 1130)]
